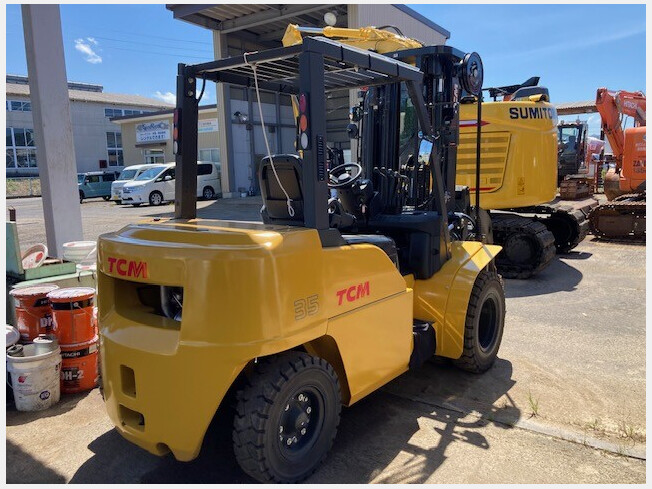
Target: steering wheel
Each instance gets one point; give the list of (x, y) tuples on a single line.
[(344, 175)]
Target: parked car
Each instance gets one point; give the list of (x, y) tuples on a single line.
[(156, 185), (95, 184), (127, 175)]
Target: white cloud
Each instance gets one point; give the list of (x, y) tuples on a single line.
[(167, 97), (84, 47)]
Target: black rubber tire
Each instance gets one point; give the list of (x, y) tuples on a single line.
[(485, 322), (261, 407), (81, 197), (117, 202), (152, 200), (208, 193), (107, 198)]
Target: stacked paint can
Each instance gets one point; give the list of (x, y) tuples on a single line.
[(33, 312), (73, 323)]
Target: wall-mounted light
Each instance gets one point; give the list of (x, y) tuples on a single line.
[(330, 18), (242, 118)]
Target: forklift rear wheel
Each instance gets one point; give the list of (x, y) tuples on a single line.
[(286, 417), (485, 321), (155, 198)]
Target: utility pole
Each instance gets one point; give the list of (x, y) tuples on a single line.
[(55, 151)]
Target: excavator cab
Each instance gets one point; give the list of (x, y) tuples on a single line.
[(572, 137), (279, 324)]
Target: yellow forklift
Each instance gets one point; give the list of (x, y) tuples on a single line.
[(324, 302), (518, 177)]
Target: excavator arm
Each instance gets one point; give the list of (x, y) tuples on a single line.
[(612, 106), (368, 38)]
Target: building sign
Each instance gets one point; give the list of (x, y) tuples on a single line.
[(207, 125), (152, 131)]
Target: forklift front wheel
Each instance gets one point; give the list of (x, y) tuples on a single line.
[(286, 417), (485, 321)]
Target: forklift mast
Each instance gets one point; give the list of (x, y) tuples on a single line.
[(407, 197), (309, 70)]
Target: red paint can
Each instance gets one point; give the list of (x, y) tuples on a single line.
[(72, 314), (33, 311), (79, 367)]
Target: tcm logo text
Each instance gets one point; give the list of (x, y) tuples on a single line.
[(353, 293), (127, 268)]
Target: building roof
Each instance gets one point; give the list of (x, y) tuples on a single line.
[(586, 107), (265, 23), (97, 97)]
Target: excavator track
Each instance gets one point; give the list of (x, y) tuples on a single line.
[(528, 246), (566, 220), (621, 219)]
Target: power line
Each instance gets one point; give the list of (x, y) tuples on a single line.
[(159, 54), (160, 37), (141, 43)]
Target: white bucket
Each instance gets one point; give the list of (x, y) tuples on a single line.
[(35, 378)]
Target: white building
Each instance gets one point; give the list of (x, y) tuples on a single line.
[(98, 141)]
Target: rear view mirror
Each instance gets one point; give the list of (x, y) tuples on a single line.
[(167, 177)]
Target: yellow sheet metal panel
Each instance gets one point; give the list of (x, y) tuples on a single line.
[(250, 290), (518, 165), (375, 342), (494, 150), (443, 299)]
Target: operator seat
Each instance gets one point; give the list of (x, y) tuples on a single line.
[(275, 209)]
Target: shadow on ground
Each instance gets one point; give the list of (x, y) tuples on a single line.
[(414, 420), (372, 433), (25, 469), (595, 239), (65, 404), (557, 277)]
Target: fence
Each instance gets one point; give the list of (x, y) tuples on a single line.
[(23, 187)]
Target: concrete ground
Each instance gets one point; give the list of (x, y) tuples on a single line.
[(564, 403)]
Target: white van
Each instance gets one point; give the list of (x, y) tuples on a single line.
[(128, 174), (156, 185)]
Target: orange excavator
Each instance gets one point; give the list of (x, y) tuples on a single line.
[(623, 216)]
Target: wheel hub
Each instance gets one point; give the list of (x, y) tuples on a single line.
[(295, 427)]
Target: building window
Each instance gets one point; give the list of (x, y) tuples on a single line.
[(19, 106), (21, 149), (212, 154), (113, 112), (114, 148), (153, 156)]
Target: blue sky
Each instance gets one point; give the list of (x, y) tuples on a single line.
[(573, 48)]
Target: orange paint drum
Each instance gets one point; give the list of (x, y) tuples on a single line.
[(72, 314), (79, 367), (33, 312)]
